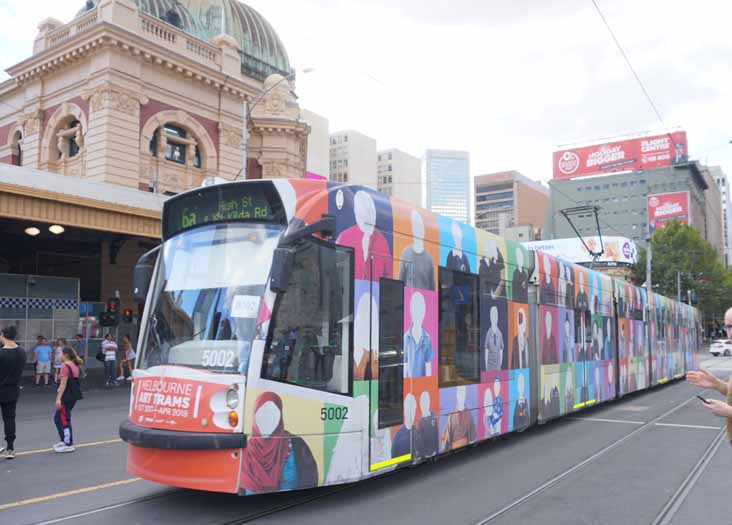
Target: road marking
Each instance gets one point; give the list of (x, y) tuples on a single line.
[(678, 425), (600, 420), (82, 445), (74, 492)]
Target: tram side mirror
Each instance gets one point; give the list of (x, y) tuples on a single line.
[(282, 262), (142, 275)]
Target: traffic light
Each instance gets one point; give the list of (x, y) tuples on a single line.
[(127, 315), (111, 316)]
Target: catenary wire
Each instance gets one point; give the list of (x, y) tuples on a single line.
[(632, 69)]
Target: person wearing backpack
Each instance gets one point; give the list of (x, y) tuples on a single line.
[(12, 362), (69, 392)]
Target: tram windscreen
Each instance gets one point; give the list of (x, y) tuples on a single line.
[(207, 294)]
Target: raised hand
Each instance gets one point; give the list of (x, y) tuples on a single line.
[(702, 379)]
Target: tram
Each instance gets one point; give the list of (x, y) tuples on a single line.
[(304, 333)]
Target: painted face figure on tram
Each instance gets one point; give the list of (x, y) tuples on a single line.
[(494, 348), (367, 241), (582, 301), (520, 349), (460, 428), (520, 280), (416, 267), (569, 391), (567, 341), (488, 412), (418, 351), (547, 290), (457, 259), (491, 270), (521, 408), (426, 433), (275, 459), (402, 443), (365, 362), (549, 345)]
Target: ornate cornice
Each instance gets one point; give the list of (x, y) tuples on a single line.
[(115, 98), (231, 136)]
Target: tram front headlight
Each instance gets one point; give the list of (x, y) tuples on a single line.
[(232, 398)]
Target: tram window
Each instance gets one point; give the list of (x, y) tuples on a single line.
[(459, 328), (311, 329), (391, 353)]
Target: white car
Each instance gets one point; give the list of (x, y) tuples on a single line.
[(721, 347)]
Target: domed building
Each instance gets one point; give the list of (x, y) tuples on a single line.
[(132, 101)]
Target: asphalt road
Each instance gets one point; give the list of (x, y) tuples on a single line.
[(618, 463)]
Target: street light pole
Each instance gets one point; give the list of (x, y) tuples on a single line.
[(247, 111)]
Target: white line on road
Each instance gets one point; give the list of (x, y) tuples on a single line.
[(679, 425), (600, 420)]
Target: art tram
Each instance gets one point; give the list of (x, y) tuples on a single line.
[(304, 333)]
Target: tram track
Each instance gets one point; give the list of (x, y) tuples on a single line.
[(672, 506), (544, 487)]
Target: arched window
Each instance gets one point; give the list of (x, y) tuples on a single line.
[(16, 147), (69, 139), (179, 145)]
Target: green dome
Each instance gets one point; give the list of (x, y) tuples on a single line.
[(262, 50)]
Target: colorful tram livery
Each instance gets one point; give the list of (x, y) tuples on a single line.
[(304, 333)]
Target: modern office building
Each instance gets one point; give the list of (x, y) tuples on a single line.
[(318, 159), (353, 158), (400, 175), (448, 183), (507, 200), (723, 184), (622, 200)]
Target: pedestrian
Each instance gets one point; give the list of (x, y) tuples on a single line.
[(12, 362), (42, 353), (705, 379), (69, 392), (128, 358), (58, 348), (109, 347), (80, 348)]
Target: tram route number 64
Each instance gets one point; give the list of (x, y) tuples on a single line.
[(331, 413)]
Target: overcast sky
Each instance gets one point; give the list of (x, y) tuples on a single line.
[(508, 80)]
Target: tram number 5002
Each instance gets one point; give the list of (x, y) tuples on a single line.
[(333, 413)]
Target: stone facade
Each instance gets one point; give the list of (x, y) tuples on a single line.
[(119, 96)]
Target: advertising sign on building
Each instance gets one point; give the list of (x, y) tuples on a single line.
[(667, 207), (619, 251), (625, 155)]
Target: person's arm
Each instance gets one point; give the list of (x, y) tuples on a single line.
[(61, 390), (705, 379)]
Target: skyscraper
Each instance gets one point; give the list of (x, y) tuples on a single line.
[(400, 175), (448, 183)]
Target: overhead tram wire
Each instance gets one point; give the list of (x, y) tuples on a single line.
[(632, 69)]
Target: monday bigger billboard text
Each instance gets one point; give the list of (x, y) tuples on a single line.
[(624, 155)]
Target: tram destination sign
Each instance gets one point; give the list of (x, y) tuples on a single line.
[(256, 202)]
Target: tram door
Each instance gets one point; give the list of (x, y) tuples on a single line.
[(394, 407)]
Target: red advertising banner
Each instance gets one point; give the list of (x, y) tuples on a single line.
[(178, 404), (667, 207), (632, 154)]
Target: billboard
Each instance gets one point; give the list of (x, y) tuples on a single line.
[(618, 250), (667, 207), (625, 155)]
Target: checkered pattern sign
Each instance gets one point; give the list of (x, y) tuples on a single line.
[(39, 303)]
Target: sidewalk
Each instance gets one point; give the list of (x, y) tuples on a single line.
[(94, 380)]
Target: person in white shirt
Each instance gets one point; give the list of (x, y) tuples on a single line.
[(109, 347)]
